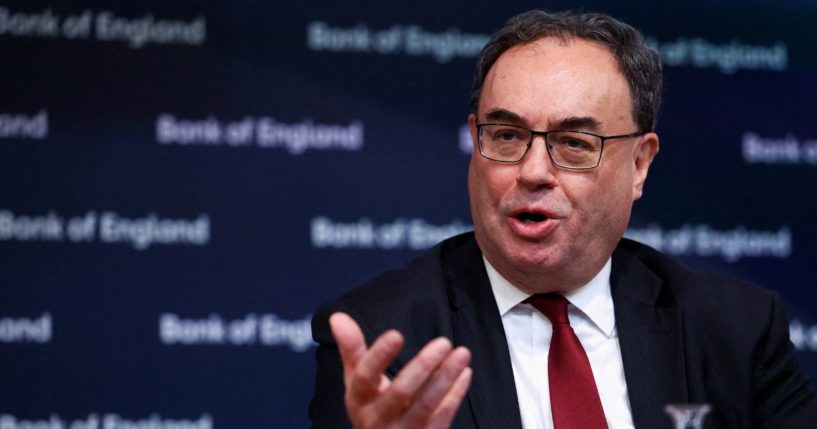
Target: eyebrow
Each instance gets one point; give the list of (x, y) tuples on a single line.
[(578, 123), (566, 123), (504, 115)]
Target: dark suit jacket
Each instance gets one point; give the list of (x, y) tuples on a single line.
[(685, 337)]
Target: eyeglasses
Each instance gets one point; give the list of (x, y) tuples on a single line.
[(573, 150)]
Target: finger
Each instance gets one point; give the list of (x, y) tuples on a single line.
[(434, 391), (350, 340), (445, 413), (367, 378), (404, 387)]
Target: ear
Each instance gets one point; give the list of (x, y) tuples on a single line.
[(472, 126), (643, 154)]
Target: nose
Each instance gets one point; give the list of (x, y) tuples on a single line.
[(536, 170)]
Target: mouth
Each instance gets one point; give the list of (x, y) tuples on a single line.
[(533, 224), (530, 217)]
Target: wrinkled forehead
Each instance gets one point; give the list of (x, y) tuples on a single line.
[(550, 79)]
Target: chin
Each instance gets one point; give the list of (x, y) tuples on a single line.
[(534, 258)]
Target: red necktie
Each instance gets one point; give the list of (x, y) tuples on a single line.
[(574, 399)]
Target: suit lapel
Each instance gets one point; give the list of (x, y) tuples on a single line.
[(477, 325), (648, 322), (649, 325)]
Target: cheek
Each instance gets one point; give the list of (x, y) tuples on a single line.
[(479, 196), (584, 198), (598, 199), (613, 198), (488, 185)]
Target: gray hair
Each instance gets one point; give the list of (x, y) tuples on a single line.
[(640, 64)]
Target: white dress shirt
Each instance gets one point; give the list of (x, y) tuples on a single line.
[(528, 332)]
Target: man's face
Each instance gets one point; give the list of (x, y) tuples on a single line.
[(542, 227)]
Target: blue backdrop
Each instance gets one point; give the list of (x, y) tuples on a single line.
[(184, 182)]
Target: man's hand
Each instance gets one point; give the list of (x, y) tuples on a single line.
[(425, 394)]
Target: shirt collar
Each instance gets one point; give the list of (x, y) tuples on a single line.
[(593, 299)]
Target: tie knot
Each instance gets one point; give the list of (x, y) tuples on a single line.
[(552, 305)]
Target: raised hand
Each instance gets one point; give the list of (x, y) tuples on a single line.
[(426, 393)]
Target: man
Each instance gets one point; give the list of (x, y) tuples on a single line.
[(544, 316)]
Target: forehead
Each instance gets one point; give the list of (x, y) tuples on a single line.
[(551, 79)]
